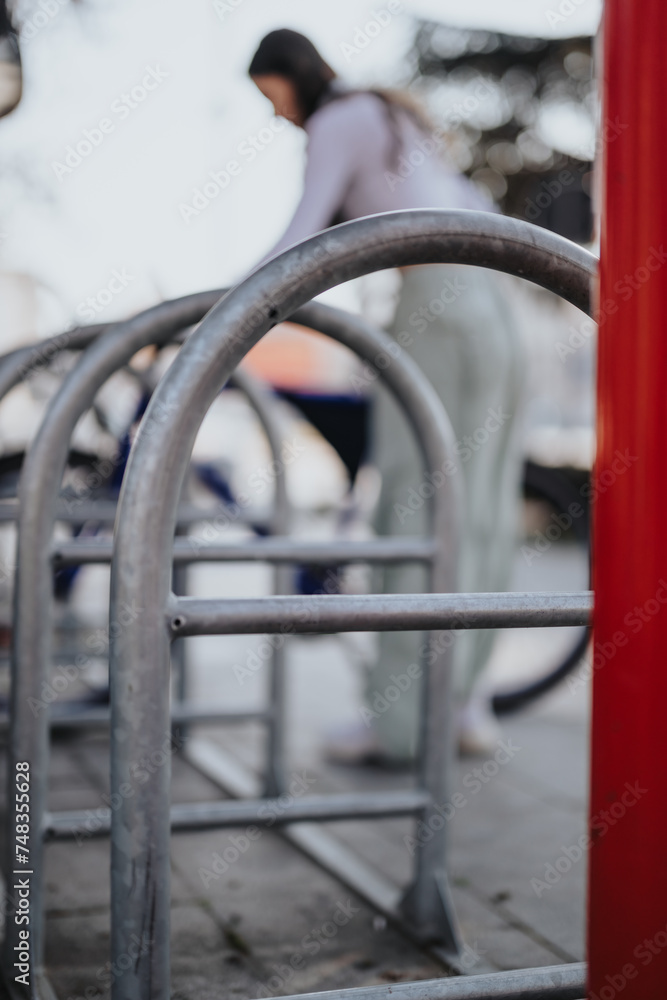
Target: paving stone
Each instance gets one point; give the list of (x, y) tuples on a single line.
[(77, 955), (491, 944), (77, 875)]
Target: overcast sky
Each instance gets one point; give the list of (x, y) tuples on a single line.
[(120, 209)]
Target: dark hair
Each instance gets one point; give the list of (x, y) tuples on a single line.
[(6, 25), (292, 55)]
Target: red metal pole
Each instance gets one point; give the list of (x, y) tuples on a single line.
[(627, 932)]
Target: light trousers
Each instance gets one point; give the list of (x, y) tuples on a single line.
[(456, 323)]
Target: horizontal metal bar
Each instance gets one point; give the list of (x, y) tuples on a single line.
[(558, 982), (66, 716), (376, 613), (256, 812), (104, 511), (77, 551)]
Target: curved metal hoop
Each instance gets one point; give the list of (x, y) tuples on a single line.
[(150, 493), (43, 472)]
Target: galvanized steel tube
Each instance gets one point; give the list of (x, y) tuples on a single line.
[(140, 839)]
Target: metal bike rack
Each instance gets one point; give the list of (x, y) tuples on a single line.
[(140, 826), (24, 361), (40, 483)]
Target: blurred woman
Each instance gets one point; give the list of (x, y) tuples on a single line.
[(372, 151)]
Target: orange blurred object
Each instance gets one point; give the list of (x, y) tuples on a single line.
[(292, 357)]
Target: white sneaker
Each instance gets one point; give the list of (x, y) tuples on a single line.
[(357, 745), (478, 727)]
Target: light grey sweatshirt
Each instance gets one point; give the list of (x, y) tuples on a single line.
[(354, 169)]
